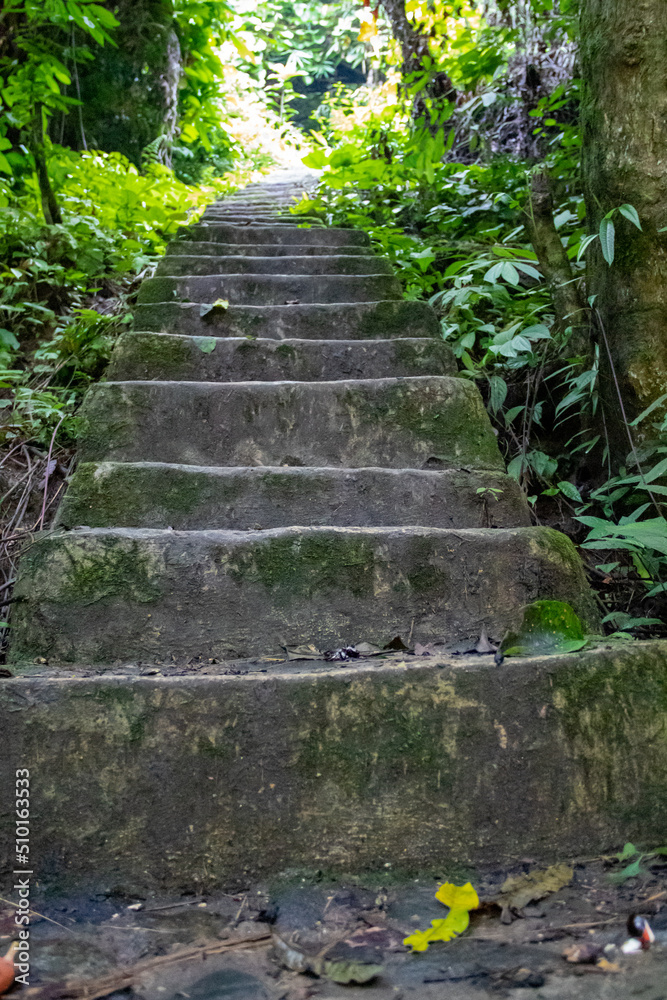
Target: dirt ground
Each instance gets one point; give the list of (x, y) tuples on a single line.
[(224, 945)]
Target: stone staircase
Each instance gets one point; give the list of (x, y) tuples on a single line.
[(295, 463), (303, 466)]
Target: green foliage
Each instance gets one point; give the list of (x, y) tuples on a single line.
[(636, 865), (64, 288)]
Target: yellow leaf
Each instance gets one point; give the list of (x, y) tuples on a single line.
[(458, 897), (453, 924), (369, 30)]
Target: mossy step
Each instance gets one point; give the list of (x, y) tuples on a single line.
[(183, 245), (190, 264), (347, 321), (190, 497), (108, 595), (430, 421), (271, 289), (218, 232), (271, 215), (163, 356), (264, 219), (159, 783)]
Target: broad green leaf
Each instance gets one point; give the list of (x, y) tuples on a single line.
[(497, 392), (630, 871), (630, 213), (570, 491), (205, 344), (607, 237)]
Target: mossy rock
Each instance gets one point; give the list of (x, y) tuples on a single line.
[(547, 627)]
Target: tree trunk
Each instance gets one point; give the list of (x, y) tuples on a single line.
[(624, 118), (50, 206), (568, 301), (414, 49)]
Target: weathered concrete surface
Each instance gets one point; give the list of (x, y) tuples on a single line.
[(398, 423), (353, 321), (160, 356), (189, 264), (271, 289), (218, 232), (106, 595), (207, 248), (159, 495), (175, 783)]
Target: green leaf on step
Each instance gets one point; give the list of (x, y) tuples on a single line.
[(547, 627), (205, 344), (630, 871), (207, 307)]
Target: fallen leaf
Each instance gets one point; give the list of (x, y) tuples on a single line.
[(585, 953), (351, 972), (396, 643), (305, 652), (292, 302), (445, 929), (458, 897), (368, 649), (483, 644), (376, 937), (461, 899), (205, 344), (608, 966), (517, 891), (208, 307)]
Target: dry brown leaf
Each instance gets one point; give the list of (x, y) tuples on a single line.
[(585, 953), (519, 890)]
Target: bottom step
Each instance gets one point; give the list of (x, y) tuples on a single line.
[(185, 783), (110, 595)]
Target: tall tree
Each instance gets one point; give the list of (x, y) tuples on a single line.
[(624, 115), (420, 69)]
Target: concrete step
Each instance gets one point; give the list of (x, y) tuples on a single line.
[(347, 321), (257, 219), (103, 596), (163, 356), (190, 497), (254, 215), (218, 232), (413, 423), (208, 249), (271, 289), (184, 781), (191, 264)]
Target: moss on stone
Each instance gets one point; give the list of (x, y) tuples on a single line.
[(162, 355), (104, 570), (309, 565)]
